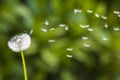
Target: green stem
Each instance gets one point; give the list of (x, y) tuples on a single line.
[(24, 65)]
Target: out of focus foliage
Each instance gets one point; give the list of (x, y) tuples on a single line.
[(62, 49)]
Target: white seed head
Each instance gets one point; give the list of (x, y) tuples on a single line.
[(19, 42)]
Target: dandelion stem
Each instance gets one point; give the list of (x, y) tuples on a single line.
[(24, 65)]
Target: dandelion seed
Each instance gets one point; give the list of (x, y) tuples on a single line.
[(119, 15), (31, 32), (86, 45), (44, 30), (46, 23), (116, 29), (84, 38), (52, 29), (106, 25), (104, 38), (19, 42), (104, 17), (77, 11), (66, 28), (69, 49), (84, 26), (89, 11), (116, 12), (51, 40), (62, 25), (90, 29), (97, 15), (69, 56)]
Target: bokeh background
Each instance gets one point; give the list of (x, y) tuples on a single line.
[(71, 39)]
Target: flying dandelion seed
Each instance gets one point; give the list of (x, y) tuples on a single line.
[(104, 17), (106, 25), (86, 45), (116, 12), (89, 11), (116, 29), (119, 15), (104, 38), (90, 29), (46, 23), (52, 29), (84, 38), (84, 26), (66, 28), (77, 11), (44, 30), (62, 25), (31, 32), (97, 15), (51, 40), (19, 42), (69, 56), (69, 49)]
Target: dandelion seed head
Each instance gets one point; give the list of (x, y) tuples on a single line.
[(19, 42)]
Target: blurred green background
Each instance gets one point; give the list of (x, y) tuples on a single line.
[(61, 48)]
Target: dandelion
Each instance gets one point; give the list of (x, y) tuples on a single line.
[(19, 43)]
